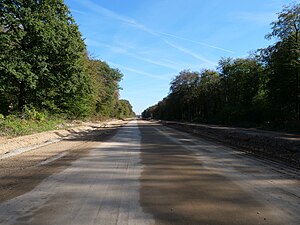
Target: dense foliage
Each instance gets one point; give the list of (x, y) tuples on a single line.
[(263, 89), (44, 65)]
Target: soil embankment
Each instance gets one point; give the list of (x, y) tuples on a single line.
[(273, 145), (10, 146)]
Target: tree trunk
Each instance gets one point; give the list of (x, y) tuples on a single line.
[(21, 96), (297, 79), (298, 95)]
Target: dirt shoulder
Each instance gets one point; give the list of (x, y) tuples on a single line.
[(10, 146), (283, 147)]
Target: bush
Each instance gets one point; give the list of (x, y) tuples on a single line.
[(13, 125), (32, 114)]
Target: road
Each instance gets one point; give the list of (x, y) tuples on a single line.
[(146, 174)]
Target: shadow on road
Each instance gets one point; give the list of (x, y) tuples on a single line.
[(176, 189)]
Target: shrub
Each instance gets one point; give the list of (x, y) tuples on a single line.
[(32, 114)]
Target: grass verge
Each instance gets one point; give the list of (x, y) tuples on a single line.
[(14, 126)]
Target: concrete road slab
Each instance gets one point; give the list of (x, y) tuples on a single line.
[(150, 174)]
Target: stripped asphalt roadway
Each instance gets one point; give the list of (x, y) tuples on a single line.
[(147, 174)]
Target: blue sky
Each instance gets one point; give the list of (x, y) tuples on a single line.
[(151, 41)]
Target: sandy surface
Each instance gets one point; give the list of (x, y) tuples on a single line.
[(14, 145), (188, 180), (101, 187), (145, 174)]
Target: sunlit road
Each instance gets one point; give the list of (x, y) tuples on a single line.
[(150, 174)]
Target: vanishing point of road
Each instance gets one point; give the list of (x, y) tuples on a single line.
[(146, 173)]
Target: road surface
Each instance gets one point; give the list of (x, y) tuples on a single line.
[(146, 174)]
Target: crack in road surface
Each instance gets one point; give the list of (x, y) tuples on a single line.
[(149, 174)]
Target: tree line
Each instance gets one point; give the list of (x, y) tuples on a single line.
[(45, 67), (261, 90)]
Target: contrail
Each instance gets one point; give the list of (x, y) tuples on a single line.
[(124, 52), (77, 11), (162, 77), (187, 51), (197, 42), (100, 9)]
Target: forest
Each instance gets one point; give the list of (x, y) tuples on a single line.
[(261, 90), (45, 69)]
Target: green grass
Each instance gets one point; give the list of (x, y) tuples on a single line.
[(14, 126)]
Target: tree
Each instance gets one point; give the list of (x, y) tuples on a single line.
[(288, 23), (108, 90), (283, 59), (41, 57), (209, 99), (125, 109), (242, 80), (258, 90), (182, 93)]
